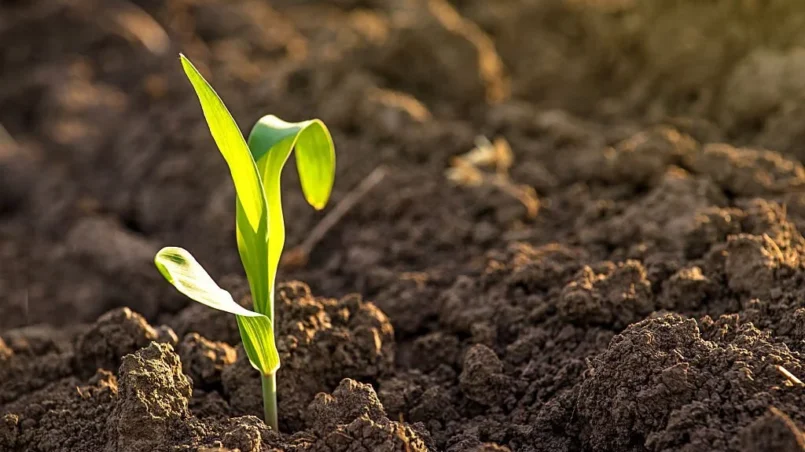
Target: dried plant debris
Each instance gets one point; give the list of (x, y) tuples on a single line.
[(488, 163)]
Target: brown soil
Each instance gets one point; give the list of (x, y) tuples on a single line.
[(653, 304)]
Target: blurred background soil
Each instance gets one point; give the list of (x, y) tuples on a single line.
[(654, 302)]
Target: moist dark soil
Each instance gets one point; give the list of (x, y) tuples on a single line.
[(653, 303)]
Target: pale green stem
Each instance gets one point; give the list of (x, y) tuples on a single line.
[(270, 400)]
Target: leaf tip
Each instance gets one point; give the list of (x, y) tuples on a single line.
[(172, 254), (187, 65), (164, 253)]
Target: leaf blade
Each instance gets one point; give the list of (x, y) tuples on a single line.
[(315, 154), (258, 342), (271, 142), (253, 250), (315, 160), (251, 217), (184, 272), (230, 142)]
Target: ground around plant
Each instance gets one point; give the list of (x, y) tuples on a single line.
[(646, 296)]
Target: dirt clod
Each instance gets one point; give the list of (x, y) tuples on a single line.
[(154, 394), (204, 360), (482, 379), (320, 341), (115, 334), (247, 435), (354, 413), (753, 263), (616, 295), (676, 367), (774, 431)]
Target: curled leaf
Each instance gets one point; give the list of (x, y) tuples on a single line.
[(271, 142), (315, 154)]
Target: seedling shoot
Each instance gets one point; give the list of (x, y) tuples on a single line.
[(255, 168)]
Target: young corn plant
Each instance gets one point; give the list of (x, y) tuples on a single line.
[(260, 228)]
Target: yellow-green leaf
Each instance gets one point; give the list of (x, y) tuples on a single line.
[(251, 210), (271, 142), (230, 142), (315, 154), (182, 270)]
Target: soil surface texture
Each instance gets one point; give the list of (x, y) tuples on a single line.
[(628, 275)]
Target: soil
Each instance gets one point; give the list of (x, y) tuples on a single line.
[(652, 304)]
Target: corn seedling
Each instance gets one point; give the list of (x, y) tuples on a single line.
[(255, 168)]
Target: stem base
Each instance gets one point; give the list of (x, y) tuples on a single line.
[(270, 400)]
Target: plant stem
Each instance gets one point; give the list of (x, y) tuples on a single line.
[(270, 400)]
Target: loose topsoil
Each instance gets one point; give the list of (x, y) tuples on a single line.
[(654, 303)]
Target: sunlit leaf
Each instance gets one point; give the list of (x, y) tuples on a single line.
[(257, 335), (315, 154), (182, 270), (251, 210), (271, 142), (230, 142)]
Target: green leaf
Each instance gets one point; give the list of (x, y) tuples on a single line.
[(230, 142), (182, 270), (315, 154), (253, 250), (251, 210), (271, 142), (257, 336)]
